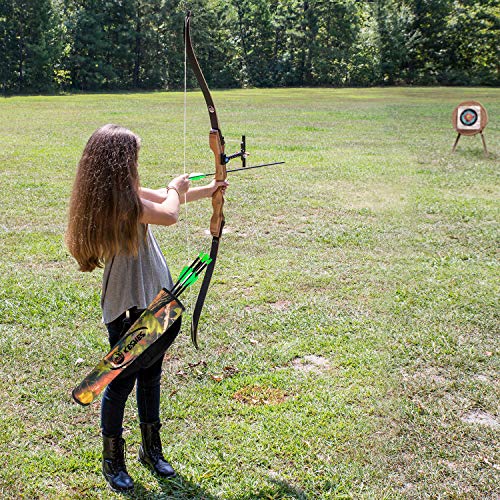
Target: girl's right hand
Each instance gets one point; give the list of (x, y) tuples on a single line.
[(181, 184)]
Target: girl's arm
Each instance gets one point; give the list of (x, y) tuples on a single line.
[(164, 213), (156, 195), (161, 206), (193, 194)]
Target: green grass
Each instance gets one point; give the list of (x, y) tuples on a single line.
[(349, 339)]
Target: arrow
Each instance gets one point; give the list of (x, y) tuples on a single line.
[(197, 177)]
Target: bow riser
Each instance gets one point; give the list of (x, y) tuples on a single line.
[(217, 147)]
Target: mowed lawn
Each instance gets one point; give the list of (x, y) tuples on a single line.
[(349, 342)]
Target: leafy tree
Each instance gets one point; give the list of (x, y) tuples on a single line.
[(8, 47), (151, 43), (338, 27), (472, 36), (213, 29), (86, 60), (297, 24), (29, 45), (102, 35), (125, 44), (430, 18), (397, 40), (255, 41), (364, 66), (314, 40)]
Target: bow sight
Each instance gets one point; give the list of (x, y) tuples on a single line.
[(241, 154)]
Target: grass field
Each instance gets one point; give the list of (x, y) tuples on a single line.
[(349, 344)]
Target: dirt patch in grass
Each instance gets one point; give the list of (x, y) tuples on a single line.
[(429, 374), (281, 305), (257, 395), (311, 363), (481, 417)]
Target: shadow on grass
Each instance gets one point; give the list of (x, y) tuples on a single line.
[(177, 488), (182, 489), (277, 489)]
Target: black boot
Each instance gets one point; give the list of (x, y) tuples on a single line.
[(150, 452), (113, 464)]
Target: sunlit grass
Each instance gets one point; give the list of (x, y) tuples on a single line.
[(349, 339)]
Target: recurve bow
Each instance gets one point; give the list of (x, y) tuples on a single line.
[(216, 142)]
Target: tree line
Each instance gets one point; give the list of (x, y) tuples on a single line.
[(89, 45)]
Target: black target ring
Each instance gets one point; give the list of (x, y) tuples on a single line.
[(468, 117)]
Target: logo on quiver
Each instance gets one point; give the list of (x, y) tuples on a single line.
[(118, 357)]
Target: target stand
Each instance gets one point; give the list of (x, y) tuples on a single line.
[(470, 118)]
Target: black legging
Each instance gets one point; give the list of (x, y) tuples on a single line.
[(117, 392)]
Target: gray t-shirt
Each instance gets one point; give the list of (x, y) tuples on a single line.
[(130, 281)]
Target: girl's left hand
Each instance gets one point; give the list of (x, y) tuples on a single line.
[(214, 185)]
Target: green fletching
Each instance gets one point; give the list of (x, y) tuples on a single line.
[(197, 177), (206, 259), (184, 272), (192, 279), (188, 274)]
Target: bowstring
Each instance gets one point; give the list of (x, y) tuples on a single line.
[(186, 228)]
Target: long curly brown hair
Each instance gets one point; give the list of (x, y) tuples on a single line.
[(105, 207)]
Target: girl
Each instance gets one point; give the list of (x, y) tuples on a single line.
[(108, 227)]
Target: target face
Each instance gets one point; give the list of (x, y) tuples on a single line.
[(469, 117)]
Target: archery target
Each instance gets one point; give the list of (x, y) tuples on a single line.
[(469, 117)]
